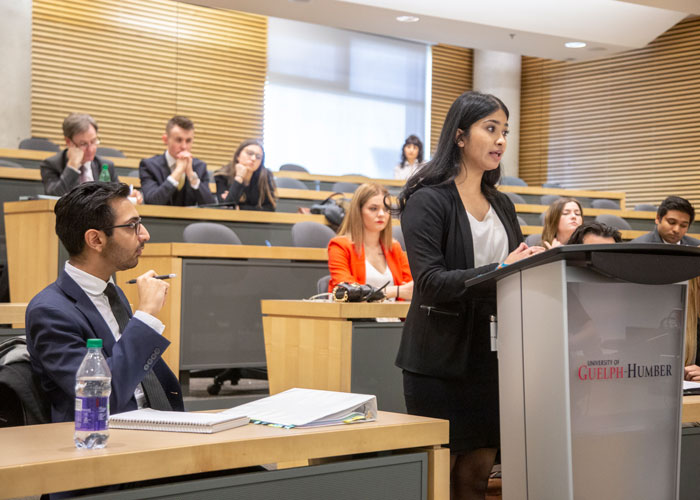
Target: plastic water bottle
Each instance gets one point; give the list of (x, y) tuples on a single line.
[(104, 174), (93, 385)]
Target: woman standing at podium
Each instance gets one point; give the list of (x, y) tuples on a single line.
[(457, 226)]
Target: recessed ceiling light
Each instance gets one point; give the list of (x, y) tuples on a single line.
[(408, 19), (575, 45)]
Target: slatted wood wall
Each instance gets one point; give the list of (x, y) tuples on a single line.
[(132, 64), (625, 123), (452, 76)]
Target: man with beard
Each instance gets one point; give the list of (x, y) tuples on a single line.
[(673, 219), (103, 234)]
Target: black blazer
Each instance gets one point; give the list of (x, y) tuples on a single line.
[(443, 314), (157, 190), (58, 179)]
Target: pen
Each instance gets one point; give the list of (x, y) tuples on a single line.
[(159, 277)]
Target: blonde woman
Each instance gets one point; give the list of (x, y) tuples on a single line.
[(364, 251), (560, 221)]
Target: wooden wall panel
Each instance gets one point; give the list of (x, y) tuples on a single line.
[(625, 123), (452, 76), (133, 64)]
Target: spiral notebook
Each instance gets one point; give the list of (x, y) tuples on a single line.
[(148, 419)]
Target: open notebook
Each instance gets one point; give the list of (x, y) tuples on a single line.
[(309, 408), (148, 419)]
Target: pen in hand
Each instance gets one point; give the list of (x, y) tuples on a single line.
[(159, 277)]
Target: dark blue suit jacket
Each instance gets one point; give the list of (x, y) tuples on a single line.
[(59, 321), (157, 190)]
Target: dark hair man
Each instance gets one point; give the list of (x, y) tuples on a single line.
[(79, 162), (673, 218), (176, 177), (103, 234), (590, 233)]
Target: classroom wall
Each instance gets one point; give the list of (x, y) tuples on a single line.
[(15, 86), (625, 123)]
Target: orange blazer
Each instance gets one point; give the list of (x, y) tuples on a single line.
[(346, 265)]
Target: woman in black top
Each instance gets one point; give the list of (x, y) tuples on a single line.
[(456, 226), (245, 182)]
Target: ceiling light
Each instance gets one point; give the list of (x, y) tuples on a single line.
[(575, 45), (408, 19)]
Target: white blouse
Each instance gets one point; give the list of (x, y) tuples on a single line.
[(490, 239), (375, 278)]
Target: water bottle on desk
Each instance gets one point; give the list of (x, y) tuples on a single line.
[(104, 174), (93, 385)]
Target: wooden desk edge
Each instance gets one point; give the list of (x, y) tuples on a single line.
[(338, 310)]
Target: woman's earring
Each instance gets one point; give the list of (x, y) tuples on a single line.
[(460, 144)]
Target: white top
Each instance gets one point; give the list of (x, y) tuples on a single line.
[(490, 239), (94, 288), (375, 278), (404, 173)]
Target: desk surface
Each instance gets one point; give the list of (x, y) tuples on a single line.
[(41, 458), (210, 251), (344, 310)]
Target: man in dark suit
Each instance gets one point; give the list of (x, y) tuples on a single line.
[(79, 162), (673, 218), (103, 234), (176, 177)]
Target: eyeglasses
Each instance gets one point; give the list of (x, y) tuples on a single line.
[(253, 154), (85, 145), (135, 225)]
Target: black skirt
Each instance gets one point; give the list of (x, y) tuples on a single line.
[(469, 403)]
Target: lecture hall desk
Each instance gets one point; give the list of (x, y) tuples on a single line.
[(42, 458)]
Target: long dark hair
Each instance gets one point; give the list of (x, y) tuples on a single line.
[(266, 182), (415, 140), (445, 165)]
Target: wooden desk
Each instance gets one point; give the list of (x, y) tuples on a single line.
[(332, 346), (212, 312), (42, 458), (34, 253)]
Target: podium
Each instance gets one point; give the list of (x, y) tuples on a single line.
[(590, 343)]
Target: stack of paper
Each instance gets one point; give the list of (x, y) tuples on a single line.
[(148, 419), (309, 408)]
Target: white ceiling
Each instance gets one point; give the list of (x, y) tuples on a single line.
[(529, 27)]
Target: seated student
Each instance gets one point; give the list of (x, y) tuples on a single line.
[(592, 233), (365, 252), (673, 218), (79, 162), (411, 158), (103, 234), (245, 182), (692, 332), (176, 177), (561, 219)]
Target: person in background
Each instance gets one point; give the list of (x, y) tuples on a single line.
[(673, 219), (457, 226), (364, 251), (560, 221), (411, 158), (245, 182), (594, 233), (692, 332), (79, 162), (176, 177)]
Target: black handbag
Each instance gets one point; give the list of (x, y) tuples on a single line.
[(353, 292), (331, 209)]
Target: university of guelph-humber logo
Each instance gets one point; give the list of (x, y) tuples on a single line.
[(611, 369)]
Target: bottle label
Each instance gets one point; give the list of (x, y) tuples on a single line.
[(91, 413)]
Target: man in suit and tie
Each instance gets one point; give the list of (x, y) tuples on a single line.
[(176, 177), (79, 162), (673, 218), (103, 234)]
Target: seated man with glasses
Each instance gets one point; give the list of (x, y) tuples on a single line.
[(176, 177), (79, 162), (103, 234)]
